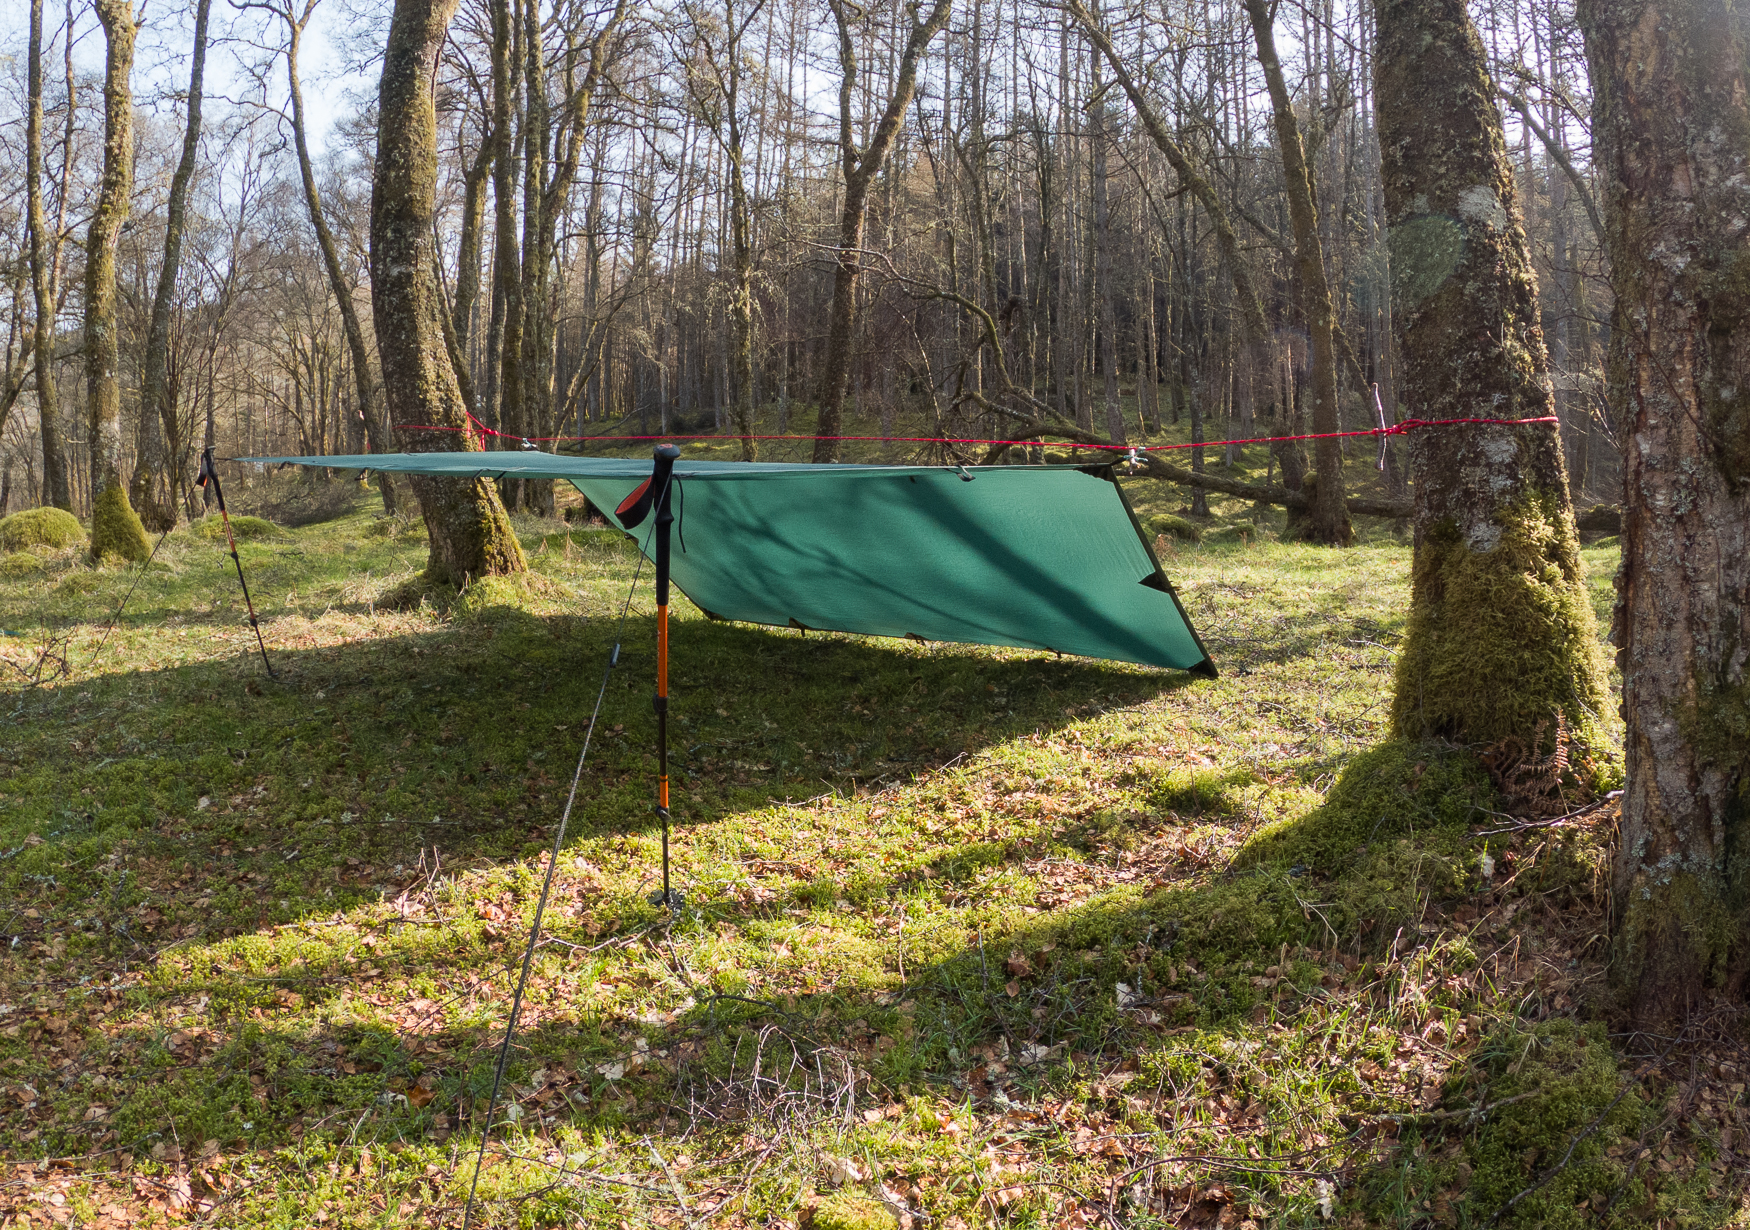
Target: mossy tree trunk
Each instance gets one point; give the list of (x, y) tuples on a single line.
[(1672, 121), (158, 411), (1329, 519), (56, 490), (1501, 652), (860, 167), (470, 534), (115, 528)]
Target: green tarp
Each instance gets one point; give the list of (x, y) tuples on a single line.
[(1041, 557)]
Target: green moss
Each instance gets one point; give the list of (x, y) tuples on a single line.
[(40, 527), (1400, 787), (1676, 930), (1571, 1073), (116, 528), (21, 564), (1173, 527), (847, 1211), (481, 598), (1239, 531), (1500, 642), (241, 527)]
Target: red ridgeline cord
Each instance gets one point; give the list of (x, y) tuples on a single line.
[(1395, 429)]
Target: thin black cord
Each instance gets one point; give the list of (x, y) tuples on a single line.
[(124, 603), (516, 1004)]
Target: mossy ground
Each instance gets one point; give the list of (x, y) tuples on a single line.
[(243, 527), (53, 528), (970, 913)]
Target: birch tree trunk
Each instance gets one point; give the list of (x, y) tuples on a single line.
[(56, 490), (115, 528), (1672, 121), (470, 535), (1501, 650), (1328, 521), (157, 412)]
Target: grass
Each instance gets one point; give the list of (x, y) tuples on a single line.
[(962, 944)]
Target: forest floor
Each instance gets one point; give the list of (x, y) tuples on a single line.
[(965, 942)]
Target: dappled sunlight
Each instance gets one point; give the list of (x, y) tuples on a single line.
[(957, 918)]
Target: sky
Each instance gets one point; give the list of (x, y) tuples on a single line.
[(335, 64)]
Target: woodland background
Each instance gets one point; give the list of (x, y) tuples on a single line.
[(610, 241)]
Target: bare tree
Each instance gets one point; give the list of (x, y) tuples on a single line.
[(56, 489), (376, 424), (716, 76), (1328, 521), (157, 414), (859, 168)]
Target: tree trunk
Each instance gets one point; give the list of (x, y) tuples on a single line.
[(115, 528), (470, 535), (468, 244), (1329, 519), (377, 428), (860, 167), (730, 73), (155, 409), (56, 490), (1673, 129), (505, 337), (1501, 650), (1103, 261)]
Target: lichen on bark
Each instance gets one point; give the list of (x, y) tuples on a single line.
[(1501, 648), (115, 527), (1671, 91), (470, 535)]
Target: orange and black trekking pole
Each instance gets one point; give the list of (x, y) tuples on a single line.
[(209, 475), (655, 493)]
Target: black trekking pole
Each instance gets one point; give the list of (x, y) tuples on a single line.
[(209, 475), (655, 493)]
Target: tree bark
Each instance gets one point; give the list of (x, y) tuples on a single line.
[(722, 96), (860, 167), (1103, 260), (505, 331), (377, 428), (1501, 650), (115, 528), (1672, 122), (56, 490), (1329, 519), (155, 409), (470, 535)]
